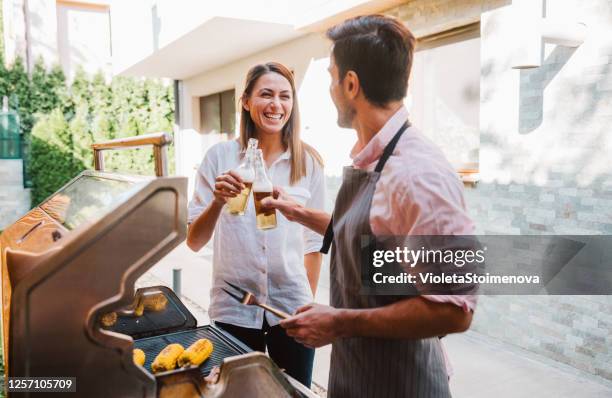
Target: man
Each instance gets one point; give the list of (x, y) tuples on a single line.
[(400, 184)]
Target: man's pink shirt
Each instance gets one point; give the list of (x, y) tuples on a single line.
[(418, 193)]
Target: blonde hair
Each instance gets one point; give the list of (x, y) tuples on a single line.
[(291, 131)]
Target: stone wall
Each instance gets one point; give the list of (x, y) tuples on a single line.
[(14, 198), (545, 163)]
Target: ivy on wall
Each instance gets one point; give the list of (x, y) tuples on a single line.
[(60, 121)]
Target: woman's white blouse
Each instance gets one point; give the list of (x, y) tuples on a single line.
[(270, 263)]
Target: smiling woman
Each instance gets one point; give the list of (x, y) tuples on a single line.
[(280, 265), (270, 102)]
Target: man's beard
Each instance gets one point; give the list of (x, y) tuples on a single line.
[(346, 115)]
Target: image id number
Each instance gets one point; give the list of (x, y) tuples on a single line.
[(41, 384)]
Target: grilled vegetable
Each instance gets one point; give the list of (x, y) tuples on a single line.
[(155, 302), (108, 320), (166, 359), (197, 353), (139, 356), (139, 309)]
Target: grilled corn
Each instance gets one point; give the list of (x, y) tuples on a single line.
[(139, 356), (139, 309), (197, 353), (166, 359), (109, 319), (155, 302)]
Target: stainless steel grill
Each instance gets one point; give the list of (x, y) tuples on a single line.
[(77, 257)]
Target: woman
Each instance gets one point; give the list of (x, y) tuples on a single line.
[(279, 266)]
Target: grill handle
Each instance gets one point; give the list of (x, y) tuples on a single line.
[(160, 141)]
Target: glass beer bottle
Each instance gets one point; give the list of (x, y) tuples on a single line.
[(237, 205), (262, 188)]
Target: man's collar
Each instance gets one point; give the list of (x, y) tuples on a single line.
[(374, 149)]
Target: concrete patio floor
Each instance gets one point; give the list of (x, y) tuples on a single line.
[(483, 367)]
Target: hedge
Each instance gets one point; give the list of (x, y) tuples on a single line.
[(61, 120)]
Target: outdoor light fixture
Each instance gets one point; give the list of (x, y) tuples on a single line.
[(533, 30)]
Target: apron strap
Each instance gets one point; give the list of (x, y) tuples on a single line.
[(329, 236), (390, 147), (329, 232)]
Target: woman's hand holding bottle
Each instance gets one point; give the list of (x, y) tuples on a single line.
[(227, 185)]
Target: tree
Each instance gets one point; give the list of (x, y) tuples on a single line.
[(52, 162), (65, 119)]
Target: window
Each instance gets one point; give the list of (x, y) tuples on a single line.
[(218, 113), (444, 94)]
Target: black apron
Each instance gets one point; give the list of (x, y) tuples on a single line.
[(372, 367)]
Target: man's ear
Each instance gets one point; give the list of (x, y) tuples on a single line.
[(351, 84)]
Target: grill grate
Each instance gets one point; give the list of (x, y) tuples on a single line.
[(223, 346)]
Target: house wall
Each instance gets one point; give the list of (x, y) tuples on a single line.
[(544, 161), (544, 165)]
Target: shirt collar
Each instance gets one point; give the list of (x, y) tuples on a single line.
[(374, 149), (285, 155)]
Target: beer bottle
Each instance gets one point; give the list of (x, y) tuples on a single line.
[(237, 205), (262, 188)]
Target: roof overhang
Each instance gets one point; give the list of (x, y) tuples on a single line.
[(329, 13), (215, 42)]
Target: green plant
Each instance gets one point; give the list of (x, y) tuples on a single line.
[(53, 162), (61, 120)]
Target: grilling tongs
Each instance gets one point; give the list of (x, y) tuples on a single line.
[(248, 298)]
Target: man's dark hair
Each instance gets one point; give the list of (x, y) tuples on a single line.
[(379, 50)]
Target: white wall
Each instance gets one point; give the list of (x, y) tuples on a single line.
[(132, 31), (58, 32), (14, 30), (444, 95), (43, 31), (84, 39), (547, 111)]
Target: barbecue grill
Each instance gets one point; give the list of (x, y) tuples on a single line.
[(76, 257)]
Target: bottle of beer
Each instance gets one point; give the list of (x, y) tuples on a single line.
[(262, 188), (237, 205)]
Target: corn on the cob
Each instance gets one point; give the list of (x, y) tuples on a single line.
[(108, 320), (155, 302), (197, 353), (139, 309), (166, 359), (139, 356)]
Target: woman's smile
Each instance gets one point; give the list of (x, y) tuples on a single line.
[(271, 103), (273, 116)]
